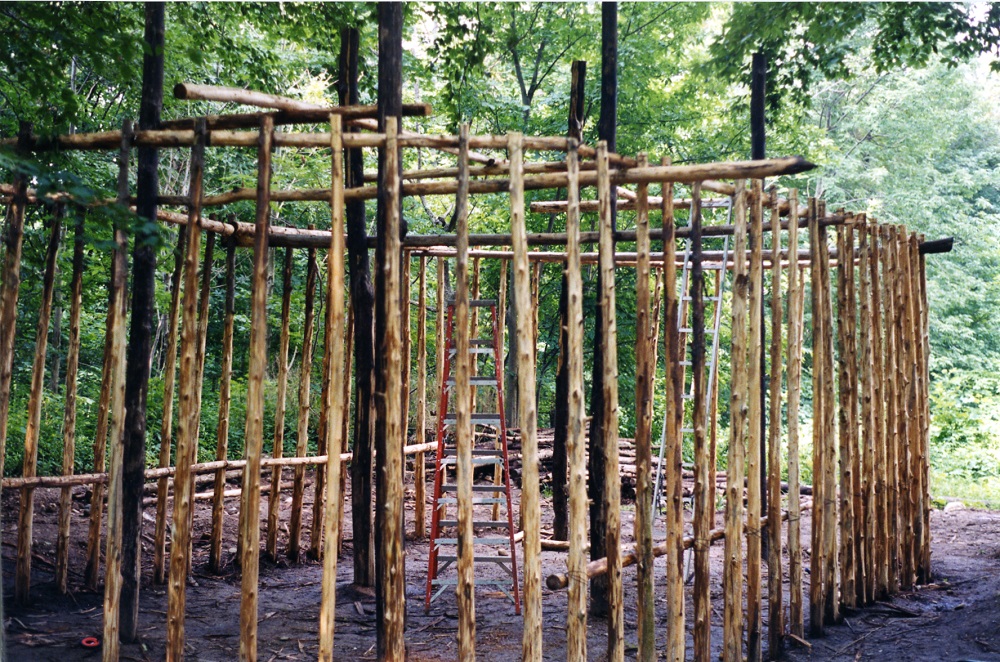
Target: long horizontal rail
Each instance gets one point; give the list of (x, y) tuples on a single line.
[(201, 468)]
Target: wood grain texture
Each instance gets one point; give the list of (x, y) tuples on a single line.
[(796, 305), (305, 407), (754, 421), (775, 609), (225, 400), (278, 443)]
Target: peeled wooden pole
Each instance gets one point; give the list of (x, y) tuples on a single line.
[(576, 616), (419, 477), (113, 548), (775, 610), (465, 588), (13, 239), (22, 577), (854, 408), (317, 529), (302, 435), (754, 418), (69, 410), (167, 421), (278, 445), (880, 551), (673, 354), (732, 569), (644, 375), (250, 498), (921, 277), (187, 420), (393, 587), (531, 640), (867, 422), (832, 602), (816, 559), (846, 418), (345, 423), (609, 429), (891, 401), (909, 480), (338, 407), (796, 301), (225, 399)]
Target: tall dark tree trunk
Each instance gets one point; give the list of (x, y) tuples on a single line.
[(560, 495), (140, 334), (606, 130), (363, 301), (390, 109)]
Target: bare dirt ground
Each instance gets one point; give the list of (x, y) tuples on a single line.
[(956, 618)]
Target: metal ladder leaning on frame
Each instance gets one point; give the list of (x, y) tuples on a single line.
[(444, 550), (683, 325)]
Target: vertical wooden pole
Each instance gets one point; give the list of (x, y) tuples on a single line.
[(755, 438), (732, 578), (13, 238), (921, 276), (338, 377), (92, 572), (644, 375), (113, 549), (673, 488), (609, 429), (880, 551), (419, 477), (203, 305), (465, 588), (816, 559), (832, 606), (302, 435), (407, 349), (317, 528), (474, 333), (775, 610), (909, 481), (167, 422), (25, 525), (846, 417), (278, 446), (348, 365), (796, 304), (225, 399), (393, 586), (187, 420), (704, 485), (250, 496), (854, 408), (69, 410), (868, 511), (891, 400), (531, 641), (576, 618), (917, 417)]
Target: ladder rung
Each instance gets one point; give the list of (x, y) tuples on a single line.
[(475, 488), (687, 297), (477, 419), (486, 380), (687, 430), (481, 342), (476, 452), (476, 461), (472, 350), (482, 501), (477, 582), (478, 559), (482, 303), (687, 396), (496, 524), (495, 540)]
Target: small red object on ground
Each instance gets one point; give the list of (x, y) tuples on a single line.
[(90, 642)]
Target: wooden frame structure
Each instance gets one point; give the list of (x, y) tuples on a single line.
[(881, 409)]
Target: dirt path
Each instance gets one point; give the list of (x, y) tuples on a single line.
[(956, 618)]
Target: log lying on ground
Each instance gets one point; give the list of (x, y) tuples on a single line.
[(600, 566)]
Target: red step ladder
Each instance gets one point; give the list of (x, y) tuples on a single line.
[(492, 533)]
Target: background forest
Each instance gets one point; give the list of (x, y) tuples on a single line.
[(896, 103)]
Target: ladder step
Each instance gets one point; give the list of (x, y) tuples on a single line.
[(486, 523), (477, 559), (481, 342), (476, 452), (485, 380), (687, 396), (495, 540), (475, 488), (482, 303), (687, 297), (472, 350), (687, 430), (477, 419), (476, 461), (481, 501), (476, 582)]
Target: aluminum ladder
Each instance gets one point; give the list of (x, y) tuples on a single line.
[(493, 534)]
